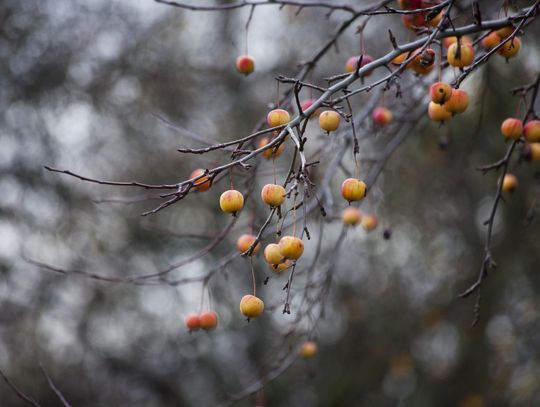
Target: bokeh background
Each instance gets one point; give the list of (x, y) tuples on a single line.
[(81, 83)]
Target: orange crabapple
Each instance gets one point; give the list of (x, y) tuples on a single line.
[(369, 222), (464, 58), (423, 62), (458, 102), (509, 183), (400, 58), (512, 128), (491, 40), (353, 189), (273, 195), (209, 320), (231, 201), (531, 151), (531, 130), (351, 216), (203, 183), (447, 41), (271, 152), (440, 92), (291, 248), (510, 48), (245, 241), (535, 151), (308, 350), (438, 113), (505, 32), (192, 322), (251, 306), (245, 64)]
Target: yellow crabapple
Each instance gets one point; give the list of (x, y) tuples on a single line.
[(251, 306)]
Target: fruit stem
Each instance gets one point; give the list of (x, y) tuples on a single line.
[(246, 45), (311, 80), (294, 217), (440, 60), (253, 276), (274, 168), (201, 305), (248, 22), (252, 221), (521, 102)]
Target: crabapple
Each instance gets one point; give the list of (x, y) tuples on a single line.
[(510, 48), (245, 241), (306, 104), (440, 92), (447, 41), (505, 32), (351, 216), (329, 120), (245, 64), (491, 40), (278, 117), (369, 222), (458, 102), (531, 130), (382, 116), (272, 254), (423, 62), (438, 113), (465, 57), (251, 306), (203, 183), (271, 152), (352, 63), (291, 247), (512, 128), (231, 201), (353, 189), (192, 322), (509, 183), (308, 350), (209, 320), (273, 194)]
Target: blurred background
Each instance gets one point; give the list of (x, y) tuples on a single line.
[(81, 83)]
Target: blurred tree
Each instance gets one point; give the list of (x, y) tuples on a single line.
[(94, 296)]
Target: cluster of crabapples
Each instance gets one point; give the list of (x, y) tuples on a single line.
[(447, 101), (421, 19), (283, 254), (207, 320), (514, 129)]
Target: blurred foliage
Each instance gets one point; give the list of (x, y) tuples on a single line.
[(79, 84)]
